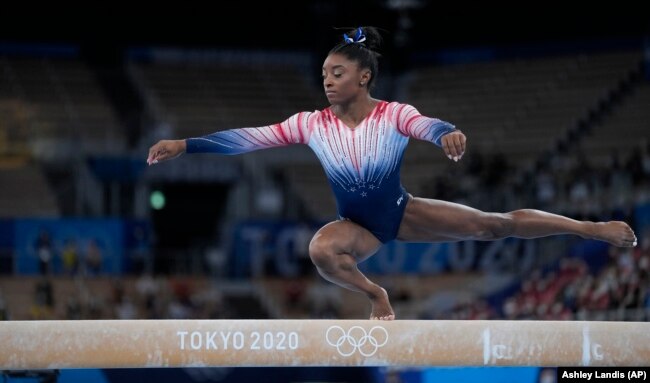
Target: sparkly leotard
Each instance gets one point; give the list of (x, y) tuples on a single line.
[(361, 164)]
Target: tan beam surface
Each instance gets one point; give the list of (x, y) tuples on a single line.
[(184, 343)]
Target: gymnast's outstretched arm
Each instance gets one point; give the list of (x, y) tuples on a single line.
[(294, 130)]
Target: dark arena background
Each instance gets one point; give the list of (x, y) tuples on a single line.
[(554, 101)]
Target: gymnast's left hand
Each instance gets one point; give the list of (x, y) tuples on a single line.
[(453, 144)]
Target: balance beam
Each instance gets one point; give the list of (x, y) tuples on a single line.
[(26, 345)]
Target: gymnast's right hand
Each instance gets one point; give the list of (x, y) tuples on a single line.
[(165, 150)]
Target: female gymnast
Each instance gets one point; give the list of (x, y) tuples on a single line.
[(360, 142)]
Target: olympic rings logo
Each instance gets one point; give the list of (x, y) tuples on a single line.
[(356, 339)]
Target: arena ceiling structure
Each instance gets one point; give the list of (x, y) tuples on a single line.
[(422, 24)]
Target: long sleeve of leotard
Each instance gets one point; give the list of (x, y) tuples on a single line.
[(411, 123), (294, 130)]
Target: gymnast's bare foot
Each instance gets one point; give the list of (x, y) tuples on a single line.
[(381, 308), (615, 232)]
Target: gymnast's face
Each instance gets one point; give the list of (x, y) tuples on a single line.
[(343, 79)]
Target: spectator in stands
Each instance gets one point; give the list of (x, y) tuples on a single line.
[(44, 251), (147, 288), (43, 303), (70, 257), (94, 258), (360, 141)]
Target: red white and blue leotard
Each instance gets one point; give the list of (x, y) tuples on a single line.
[(361, 164)]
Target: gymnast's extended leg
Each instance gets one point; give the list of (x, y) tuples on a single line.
[(429, 220)]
